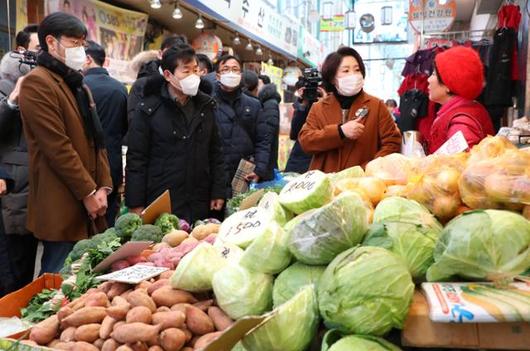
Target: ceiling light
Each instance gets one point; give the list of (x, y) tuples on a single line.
[(259, 52), (177, 13), (237, 40), (200, 23), (156, 4), (270, 61), (249, 46)]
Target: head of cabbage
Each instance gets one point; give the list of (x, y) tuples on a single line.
[(483, 244), (291, 326), (317, 236), (291, 280), (365, 290), (310, 190), (335, 341), (244, 226), (398, 209), (271, 202)]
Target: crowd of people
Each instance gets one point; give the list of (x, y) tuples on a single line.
[(187, 124)]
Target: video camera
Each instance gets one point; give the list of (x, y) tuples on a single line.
[(310, 82), (27, 58)]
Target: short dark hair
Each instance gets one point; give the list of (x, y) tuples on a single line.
[(249, 79), (173, 40), (95, 51), (175, 55), (58, 24), (22, 39), (205, 62), (225, 58), (391, 103), (265, 79), (31, 28), (332, 62)]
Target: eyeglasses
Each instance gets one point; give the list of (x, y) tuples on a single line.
[(73, 43), (230, 70)]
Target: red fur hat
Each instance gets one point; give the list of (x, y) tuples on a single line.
[(461, 71)]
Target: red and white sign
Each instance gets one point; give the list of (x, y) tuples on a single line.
[(430, 16), (208, 44)]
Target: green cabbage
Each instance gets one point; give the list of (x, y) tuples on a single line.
[(291, 328), (271, 202), (413, 243), (398, 209), (240, 292), (352, 172), (195, 271), (365, 290), (268, 253), (232, 253), (362, 343), (243, 227), (485, 244), (318, 236), (294, 278), (310, 190)]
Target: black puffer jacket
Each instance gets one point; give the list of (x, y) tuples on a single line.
[(166, 153), (270, 98), (244, 132)]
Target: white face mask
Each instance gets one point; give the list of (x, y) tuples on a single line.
[(350, 85), (230, 80), (189, 85), (75, 58)]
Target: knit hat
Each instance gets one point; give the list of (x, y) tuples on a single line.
[(461, 71)]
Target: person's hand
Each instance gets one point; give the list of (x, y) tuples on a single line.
[(13, 97), (217, 204), (352, 129), (101, 196), (92, 205), (252, 177), (137, 210), (3, 187), (322, 93)]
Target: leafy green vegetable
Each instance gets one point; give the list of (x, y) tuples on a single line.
[(271, 202), (484, 244), (41, 306), (311, 190), (126, 225), (358, 342), (398, 209), (352, 172), (293, 279), (167, 222), (148, 232), (365, 290)]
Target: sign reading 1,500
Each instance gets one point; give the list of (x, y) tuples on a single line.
[(108, 18), (242, 226)]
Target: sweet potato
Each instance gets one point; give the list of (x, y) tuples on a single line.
[(206, 339), (110, 345), (172, 319), (105, 286), (106, 327), (167, 296), (198, 322), (119, 308), (68, 334), (99, 343), (85, 315), (203, 305), (156, 348), (189, 335), (220, 320), (172, 339), (163, 309), (64, 312), (84, 346), (97, 299), (166, 274), (52, 343), (133, 332), (139, 346), (45, 331), (143, 285), (140, 314), (117, 324), (64, 346), (87, 332), (156, 285), (124, 348), (160, 246), (140, 298), (117, 289)]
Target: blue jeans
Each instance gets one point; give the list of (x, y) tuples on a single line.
[(55, 252)]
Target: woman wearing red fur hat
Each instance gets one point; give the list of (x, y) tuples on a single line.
[(456, 81)]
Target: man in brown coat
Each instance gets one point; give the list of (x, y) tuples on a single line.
[(69, 171)]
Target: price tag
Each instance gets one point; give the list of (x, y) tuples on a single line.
[(305, 183), (457, 143), (134, 274)]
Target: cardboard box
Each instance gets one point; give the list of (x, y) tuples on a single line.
[(11, 304), (420, 331)]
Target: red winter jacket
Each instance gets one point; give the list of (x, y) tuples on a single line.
[(459, 114)]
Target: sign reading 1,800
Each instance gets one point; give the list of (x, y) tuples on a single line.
[(305, 183), (250, 220)]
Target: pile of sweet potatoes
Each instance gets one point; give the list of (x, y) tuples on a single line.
[(151, 316)]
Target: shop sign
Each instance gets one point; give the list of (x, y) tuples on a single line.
[(310, 49), (335, 24), (120, 32), (208, 44), (431, 16), (275, 74)]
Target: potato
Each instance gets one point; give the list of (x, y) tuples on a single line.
[(119, 308), (140, 314), (134, 332), (117, 289), (106, 327), (97, 299), (156, 348), (198, 322), (85, 315), (189, 335), (64, 312), (99, 343), (110, 345), (166, 274), (206, 339), (172, 339), (140, 298), (189, 240), (45, 331), (87, 332), (172, 319), (68, 334), (84, 346), (220, 320), (203, 305), (200, 232), (156, 285), (124, 348), (167, 296), (163, 309), (175, 237)]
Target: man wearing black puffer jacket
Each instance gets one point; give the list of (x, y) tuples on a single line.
[(174, 142), (243, 125), (270, 99)]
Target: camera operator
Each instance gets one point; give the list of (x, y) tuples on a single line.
[(307, 92)]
